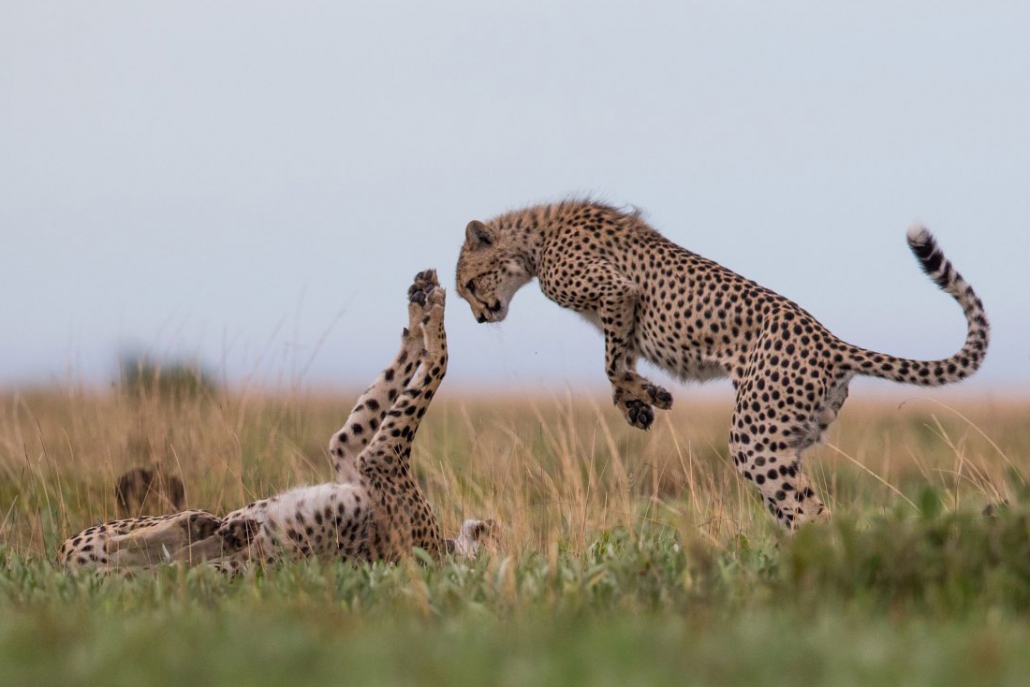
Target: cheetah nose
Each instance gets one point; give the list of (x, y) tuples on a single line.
[(482, 318)]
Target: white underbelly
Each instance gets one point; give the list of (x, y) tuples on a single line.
[(689, 366)]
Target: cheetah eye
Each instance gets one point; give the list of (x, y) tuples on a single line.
[(470, 287)]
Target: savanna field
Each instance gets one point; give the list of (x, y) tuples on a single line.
[(625, 557)]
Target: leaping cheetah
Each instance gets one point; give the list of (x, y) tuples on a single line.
[(698, 320)]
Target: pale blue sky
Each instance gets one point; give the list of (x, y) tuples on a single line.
[(252, 184)]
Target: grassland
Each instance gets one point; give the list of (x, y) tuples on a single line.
[(626, 557)]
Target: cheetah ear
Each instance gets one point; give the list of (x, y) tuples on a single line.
[(478, 235)]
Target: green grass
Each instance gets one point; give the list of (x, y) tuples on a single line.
[(906, 600), (627, 558)]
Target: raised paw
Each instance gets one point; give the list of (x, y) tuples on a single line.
[(434, 338), (423, 283), (638, 414), (419, 296), (659, 397), (435, 300), (436, 296)]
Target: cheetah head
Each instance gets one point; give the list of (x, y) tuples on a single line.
[(489, 272), (474, 536)]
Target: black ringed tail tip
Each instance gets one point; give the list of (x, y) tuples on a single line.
[(930, 256)]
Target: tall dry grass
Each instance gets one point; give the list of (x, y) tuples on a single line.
[(555, 469)]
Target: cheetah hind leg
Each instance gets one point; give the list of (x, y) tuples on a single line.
[(772, 461), (163, 541), (786, 490)]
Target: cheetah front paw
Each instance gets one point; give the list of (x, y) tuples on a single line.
[(639, 410), (422, 286), (238, 533), (200, 525), (435, 298), (432, 322), (638, 413), (423, 283), (659, 397)]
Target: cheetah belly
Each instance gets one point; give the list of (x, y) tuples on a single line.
[(681, 359), (686, 364), (325, 520)]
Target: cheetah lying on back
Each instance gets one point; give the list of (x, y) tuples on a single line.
[(698, 320), (375, 509)]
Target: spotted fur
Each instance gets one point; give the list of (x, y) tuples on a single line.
[(374, 511), (698, 320)]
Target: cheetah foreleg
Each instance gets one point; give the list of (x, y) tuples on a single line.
[(385, 463), (162, 541), (371, 407), (617, 301)]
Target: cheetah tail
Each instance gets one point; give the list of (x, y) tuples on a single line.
[(934, 372)]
